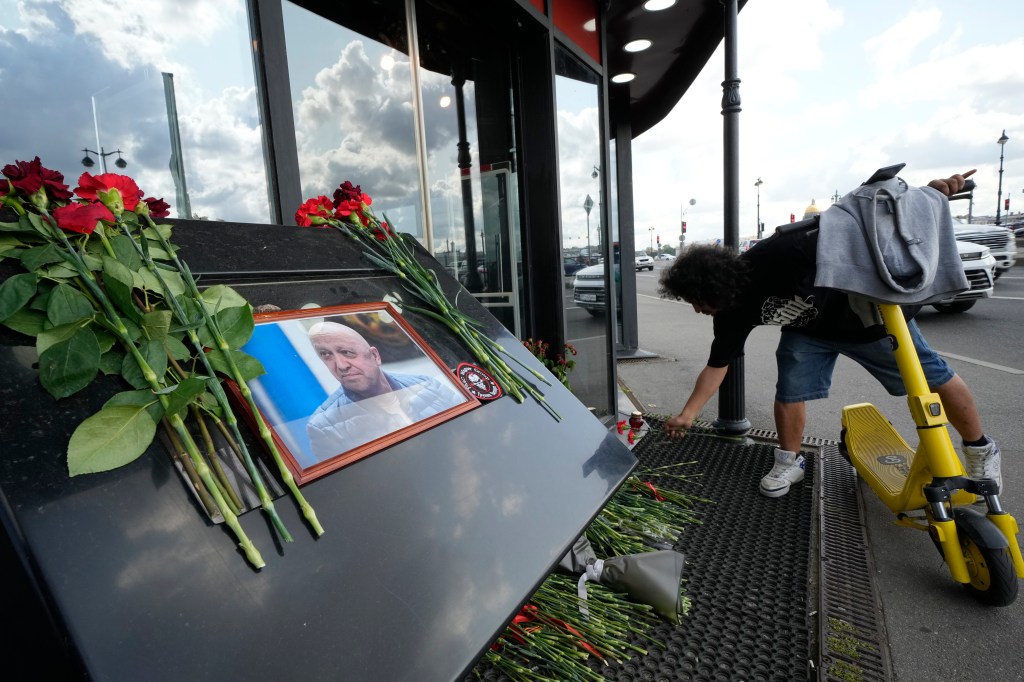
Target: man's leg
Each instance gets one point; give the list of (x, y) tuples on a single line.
[(790, 419), (960, 409)]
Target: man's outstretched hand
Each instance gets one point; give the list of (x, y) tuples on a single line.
[(953, 184)]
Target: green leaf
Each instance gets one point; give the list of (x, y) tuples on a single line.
[(220, 297), (248, 366), (15, 292), (59, 271), (177, 349), (109, 439), (125, 252), (155, 324), (38, 256), (70, 365), (236, 325), (68, 304), (118, 281), (151, 232), (182, 394), (142, 398), (33, 222), (53, 335), (28, 322), (171, 278), (112, 361), (18, 228), (153, 353)]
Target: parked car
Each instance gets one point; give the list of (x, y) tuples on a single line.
[(572, 265), (1000, 241), (643, 261), (980, 268), (588, 290)]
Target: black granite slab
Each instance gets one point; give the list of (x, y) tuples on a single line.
[(430, 547)]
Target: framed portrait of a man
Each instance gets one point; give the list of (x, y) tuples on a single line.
[(344, 382)]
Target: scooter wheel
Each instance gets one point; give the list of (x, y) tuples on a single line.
[(993, 577)]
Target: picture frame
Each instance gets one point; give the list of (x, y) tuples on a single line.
[(345, 382)]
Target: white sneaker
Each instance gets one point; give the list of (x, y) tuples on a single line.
[(788, 469), (983, 461)]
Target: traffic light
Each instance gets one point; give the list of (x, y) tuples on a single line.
[(1006, 204), (658, 238), (792, 218), (682, 230)]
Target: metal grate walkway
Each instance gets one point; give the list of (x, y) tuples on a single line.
[(781, 588)]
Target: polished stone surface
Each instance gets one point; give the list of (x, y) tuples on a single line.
[(430, 547)]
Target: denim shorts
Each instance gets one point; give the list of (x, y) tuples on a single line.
[(806, 364)]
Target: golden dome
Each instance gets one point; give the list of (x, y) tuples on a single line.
[(811, 210)]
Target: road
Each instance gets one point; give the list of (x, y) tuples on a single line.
[(935, 630)]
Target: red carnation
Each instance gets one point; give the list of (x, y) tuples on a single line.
[(347, 192), (30, 176), (101, 188), (158, 208), (81, 217), (314, 212)]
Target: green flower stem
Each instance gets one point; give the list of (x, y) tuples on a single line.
[(211, 453), (118, 326), (186, 464), (264, 431), (394, 255), (266, 501)]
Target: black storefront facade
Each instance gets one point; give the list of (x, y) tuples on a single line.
[(489, 150), (483, 129)]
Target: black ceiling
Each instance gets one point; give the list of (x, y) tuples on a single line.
[(683, 39)]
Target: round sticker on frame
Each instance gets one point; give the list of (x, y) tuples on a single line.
[(478, 382)]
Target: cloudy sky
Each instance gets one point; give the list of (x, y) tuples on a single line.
[(833, 90)]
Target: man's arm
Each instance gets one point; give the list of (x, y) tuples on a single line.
[(708, 381), (953, 184)]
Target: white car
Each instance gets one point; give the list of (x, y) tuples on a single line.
[(664, 256), (643, 261), (980, 268), (1000, 241)]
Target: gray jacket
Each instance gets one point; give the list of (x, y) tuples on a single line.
[(890, 243)]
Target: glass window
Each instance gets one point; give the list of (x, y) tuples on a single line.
[(129, 88), (352, 104), (583, 236)]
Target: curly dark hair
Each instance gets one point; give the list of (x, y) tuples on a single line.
[(706, 275)]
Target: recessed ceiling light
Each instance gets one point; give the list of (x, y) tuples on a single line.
[(590, 25), (637, 46), (445, 101), (655, 5), (623, 77), (387, 62)]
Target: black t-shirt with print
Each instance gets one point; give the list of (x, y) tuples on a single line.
[(782, 293)]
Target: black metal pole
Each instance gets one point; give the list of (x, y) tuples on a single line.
[(465, 162), (999, 200), (731, 401)]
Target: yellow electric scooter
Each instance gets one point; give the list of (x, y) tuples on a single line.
[(928, 489)]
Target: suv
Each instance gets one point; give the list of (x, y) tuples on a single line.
[(643, 261), (588, 289), (998, 239), (980, 268)]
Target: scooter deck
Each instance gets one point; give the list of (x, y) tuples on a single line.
[(880, 454)]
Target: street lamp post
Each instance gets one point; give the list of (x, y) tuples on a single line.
[(758, 186), (588, 204), (1003, 139), (89, 163), (650, 231)]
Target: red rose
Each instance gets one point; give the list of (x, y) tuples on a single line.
[(101, 188), (29, 176), (314, 212), (81, 217), (158, 208)]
